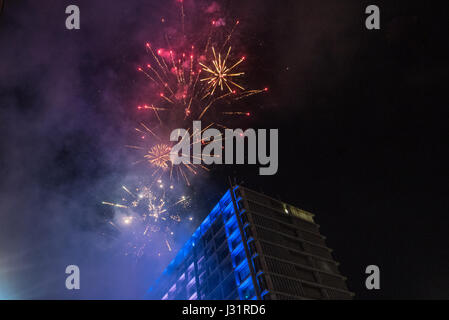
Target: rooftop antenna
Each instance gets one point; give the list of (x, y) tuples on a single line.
[(230, 182)]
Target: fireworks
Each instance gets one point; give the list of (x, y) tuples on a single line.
[(159, 156), (147, 217), (176, 77), (193, 74), (220, 74), (189, 76)]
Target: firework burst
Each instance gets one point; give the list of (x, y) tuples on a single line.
[(220, 74), (147, 217), (159, 156)]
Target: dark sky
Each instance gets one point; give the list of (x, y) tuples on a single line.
[(362, 118)]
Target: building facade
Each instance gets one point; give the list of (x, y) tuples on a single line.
[(253, 247)]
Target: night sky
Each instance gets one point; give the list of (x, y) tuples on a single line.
[(362, 118)]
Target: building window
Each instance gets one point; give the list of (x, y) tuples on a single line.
[(227, 268), (235, 242), (223, 253), (248, 233), (262, 282), (257, 264), (252, 248), (243, 273), (220, 238), (202, 278), (194, 296), (191, 272), (228, 286), (239, 257), (244, 218), (214, 280), (246, 291), (240, 205), (201, 265), (266, 296), (312, 292)]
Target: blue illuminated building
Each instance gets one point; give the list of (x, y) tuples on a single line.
[(252, 247)]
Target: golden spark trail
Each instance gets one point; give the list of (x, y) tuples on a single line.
[(114, 204)]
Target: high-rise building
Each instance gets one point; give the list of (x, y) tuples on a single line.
[(253, 247)]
